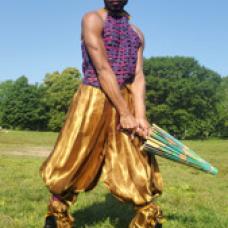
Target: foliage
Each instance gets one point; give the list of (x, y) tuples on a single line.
[(222, 126), (37, 107), (181, 96), (22, 107), (58, 92), (5, 88)]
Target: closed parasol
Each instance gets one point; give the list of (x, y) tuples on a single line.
[(165, 145)]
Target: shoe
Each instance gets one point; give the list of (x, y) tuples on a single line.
[(158, 225), (149, 215), (50, 222), (58, 215)]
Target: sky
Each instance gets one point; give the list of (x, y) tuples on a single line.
[(43, 36)]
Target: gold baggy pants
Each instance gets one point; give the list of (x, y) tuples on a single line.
[(89, 148)]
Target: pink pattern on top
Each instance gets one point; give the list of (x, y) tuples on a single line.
[(121, 44)]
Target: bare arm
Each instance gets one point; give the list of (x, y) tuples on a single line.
[(92, 27), (138, 90), (138, 87)]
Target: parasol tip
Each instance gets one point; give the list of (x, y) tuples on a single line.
[(214, 171)]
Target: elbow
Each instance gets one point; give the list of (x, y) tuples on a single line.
[(103, 71)]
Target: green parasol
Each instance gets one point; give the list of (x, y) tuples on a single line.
[(163, 144)]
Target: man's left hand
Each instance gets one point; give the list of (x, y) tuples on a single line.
[(144, 128)]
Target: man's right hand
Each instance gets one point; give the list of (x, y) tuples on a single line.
[(128, 122)]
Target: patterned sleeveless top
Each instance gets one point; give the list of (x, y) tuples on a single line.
[(121, 44)]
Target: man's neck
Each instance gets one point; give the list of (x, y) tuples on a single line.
[(117, 13)]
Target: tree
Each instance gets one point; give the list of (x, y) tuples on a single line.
[(22, 107), (5, 88), (59, 89), (182, 96), (222, 126)]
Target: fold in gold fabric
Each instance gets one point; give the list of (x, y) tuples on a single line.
[(149, 216), (89, 148)]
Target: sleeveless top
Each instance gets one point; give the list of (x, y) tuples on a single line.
[(121, 43)]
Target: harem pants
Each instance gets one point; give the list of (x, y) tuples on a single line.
[(90, 148)]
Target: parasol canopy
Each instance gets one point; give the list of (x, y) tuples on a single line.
[(163, 144)]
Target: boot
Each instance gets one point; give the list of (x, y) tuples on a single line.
[(50, 222), (58, 215), (148, 216)]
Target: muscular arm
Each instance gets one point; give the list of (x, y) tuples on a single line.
[(92, 27), (138, 89), (138, 86)]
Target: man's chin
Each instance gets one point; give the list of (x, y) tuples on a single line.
[(117, 9)]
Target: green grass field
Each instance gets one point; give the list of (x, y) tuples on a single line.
[(191, 198)]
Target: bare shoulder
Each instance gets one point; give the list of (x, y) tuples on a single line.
[(91, 18), (139, 32), (91, 23)]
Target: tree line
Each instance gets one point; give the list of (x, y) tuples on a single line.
[(183, 97)]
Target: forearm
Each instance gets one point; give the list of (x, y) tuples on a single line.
[(138, 90), (111, 88), (92, 26)]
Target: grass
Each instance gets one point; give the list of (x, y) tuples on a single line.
[(34, 138), (22, 142), (190, 198)]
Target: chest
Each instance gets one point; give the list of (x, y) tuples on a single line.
[(118, 34)]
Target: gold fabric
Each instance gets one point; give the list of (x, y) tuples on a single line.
[(149, 216), (60, 211), (89, 148)]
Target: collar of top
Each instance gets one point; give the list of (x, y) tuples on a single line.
[(121, 14)]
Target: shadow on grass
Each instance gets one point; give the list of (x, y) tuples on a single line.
[(117, 214), (181, 218)]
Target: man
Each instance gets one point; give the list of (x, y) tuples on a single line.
[(106, 124)]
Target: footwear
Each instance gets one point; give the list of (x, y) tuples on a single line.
[(50, 222), (158, 225), (58, 215), (149, 215)]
